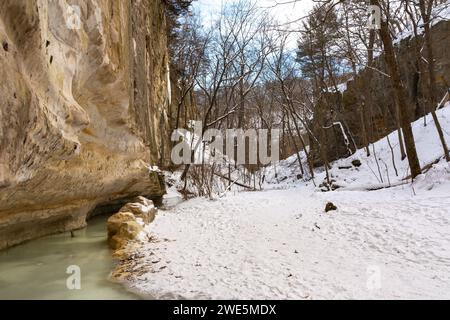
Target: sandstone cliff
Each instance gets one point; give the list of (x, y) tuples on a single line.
[(83, 98)]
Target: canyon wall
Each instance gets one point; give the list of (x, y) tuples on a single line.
[(84, 94), (379, 115)]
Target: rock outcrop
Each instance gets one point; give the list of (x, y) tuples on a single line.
[(127, 224), (83, 110), (380, 114)]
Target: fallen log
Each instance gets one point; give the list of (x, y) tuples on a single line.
[(426, 167), (234, 182)]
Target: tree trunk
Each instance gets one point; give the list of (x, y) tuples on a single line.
[(400, 97), (296, 149), (364, 129)]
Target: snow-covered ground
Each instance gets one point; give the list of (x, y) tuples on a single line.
[(374, 172), (392, 243)]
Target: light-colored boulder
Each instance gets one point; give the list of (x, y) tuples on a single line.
[(115, 221), (128, 231), (141, 208), (127, 224)]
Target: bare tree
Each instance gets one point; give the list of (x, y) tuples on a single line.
[(399, 90)]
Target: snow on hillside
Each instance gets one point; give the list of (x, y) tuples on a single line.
[(392, 243), (370, 174), (439, 13)]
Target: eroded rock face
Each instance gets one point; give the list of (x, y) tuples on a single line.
[(83, 102)]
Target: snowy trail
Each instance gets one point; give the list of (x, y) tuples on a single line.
[(391, 243), (386, 244)]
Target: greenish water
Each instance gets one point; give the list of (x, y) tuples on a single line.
[(37, 269)]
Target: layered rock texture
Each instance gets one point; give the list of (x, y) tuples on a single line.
[(379, 116), (128, 224), (84, 95)]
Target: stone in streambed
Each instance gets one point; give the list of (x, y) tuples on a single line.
[(141, 207), (129, 222), (128, 231), (116, 220)]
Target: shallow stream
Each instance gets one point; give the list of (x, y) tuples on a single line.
[(37, 269)]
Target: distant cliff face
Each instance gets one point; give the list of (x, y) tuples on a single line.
[(380, 113), (83, 109)]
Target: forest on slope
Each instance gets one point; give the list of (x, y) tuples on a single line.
[(330, 82)]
